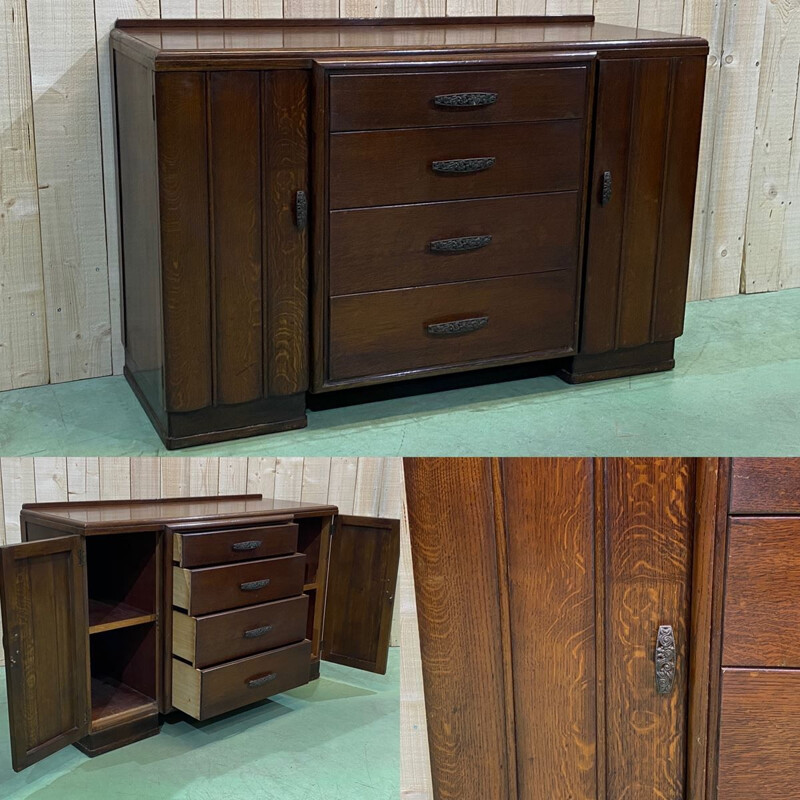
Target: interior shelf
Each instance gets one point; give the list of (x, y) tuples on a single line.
[(111, 616), (114, 702)]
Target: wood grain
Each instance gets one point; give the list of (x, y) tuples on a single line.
[(758, 735), (765, 486), (455, 575), (549, 518), (649, 530), (762, 615)]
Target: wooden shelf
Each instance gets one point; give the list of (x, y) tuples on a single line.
[(111, 616), (114, 702)]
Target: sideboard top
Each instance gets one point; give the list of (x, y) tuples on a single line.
[(186, 44), (110, 515)]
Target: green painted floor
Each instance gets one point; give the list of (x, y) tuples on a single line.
[(335, 739), (735, 391)]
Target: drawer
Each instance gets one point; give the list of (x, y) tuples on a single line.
[(204, 693), (215, 638), (418, 245), (759, 731), (239, 544), (762, 612), (388, 332), (765, 486), (416, 99), (210, 589), (392, 167)]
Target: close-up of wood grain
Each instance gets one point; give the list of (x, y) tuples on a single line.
[(59, 239)]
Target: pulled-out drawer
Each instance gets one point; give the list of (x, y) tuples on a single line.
[(479, 322), (202, 548), (416, 99), (204, 693), (379, 168), (212, 639), (374, 249), (762, 611), (210, 589), (759, 731)]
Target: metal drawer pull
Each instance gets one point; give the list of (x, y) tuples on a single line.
[(458, 327), (466, 100), (463, 166), (301, 210), (256, 682), (251, 586), (461, 245), (665, 659), (246, 545), (607, 190), (256, 632)]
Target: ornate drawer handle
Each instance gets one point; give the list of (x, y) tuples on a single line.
[(461, 245), (665, 659), (238, 546), (251, 586), (607, 189), (254, 633), (463, 166), (301, 210), (256, 682), (466, 100), (458, 327)]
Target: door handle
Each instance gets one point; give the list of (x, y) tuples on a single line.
[(607, 190), (665, 659), (465, 100), (462, 244), (301, 210), (463, 166)]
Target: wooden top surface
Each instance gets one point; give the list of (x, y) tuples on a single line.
[(183, 42), (109, 515)]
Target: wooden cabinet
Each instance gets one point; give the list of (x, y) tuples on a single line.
[(626, 628), (321, 205), (117, 612)]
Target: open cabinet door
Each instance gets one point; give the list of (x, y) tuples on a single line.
[(362, 575), (45, 636)]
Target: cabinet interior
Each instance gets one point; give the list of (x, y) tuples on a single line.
[(309, 543), (123, 580)]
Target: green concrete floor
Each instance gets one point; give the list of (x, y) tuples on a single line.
[(335, 739), (735, 391)]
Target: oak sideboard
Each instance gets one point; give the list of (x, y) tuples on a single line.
[(310, 206), (626, 628), (117, 612)]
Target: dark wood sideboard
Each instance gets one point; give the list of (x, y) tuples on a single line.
[(627, 628), (309, 206), (117, 612)]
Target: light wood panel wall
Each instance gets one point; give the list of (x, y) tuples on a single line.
[(59, 271)]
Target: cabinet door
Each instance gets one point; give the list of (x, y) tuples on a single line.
[(45, 635), (649, 531), (362, 575)]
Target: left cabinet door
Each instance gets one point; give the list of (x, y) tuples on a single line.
[(45, 636)]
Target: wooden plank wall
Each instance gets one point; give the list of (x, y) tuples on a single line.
[(59, 284)]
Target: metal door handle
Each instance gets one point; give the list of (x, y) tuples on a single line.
[(465, 100), (252, 586), (463, 244), (458, 327), (665, 659), (463, 166), (301, 210)]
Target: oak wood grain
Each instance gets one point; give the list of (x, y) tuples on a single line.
[(549, 518), (455, 574), (649, 530), (762, 613), (765, 486)]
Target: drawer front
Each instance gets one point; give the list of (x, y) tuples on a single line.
[(205, 693), (391, 167), (759, 732), (762, 610), (240, 544), (419, 245), (765, 486), (393, 332), (215, 638), (416, 99), (210, 589)]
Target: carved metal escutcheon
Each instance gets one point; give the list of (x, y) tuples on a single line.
[(466, 100), (458, 327), (463, 166), (665, 660), (462, 244)]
